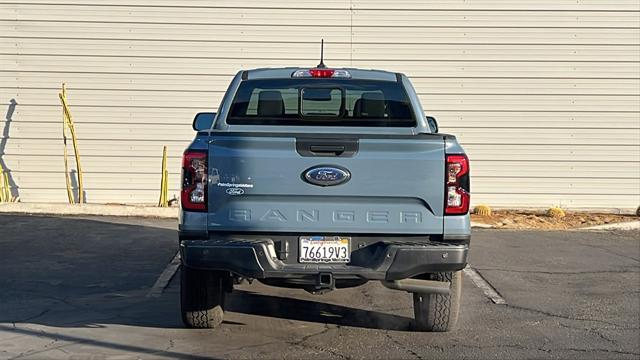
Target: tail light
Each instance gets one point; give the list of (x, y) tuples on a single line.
[(457, 185), (194, 181)]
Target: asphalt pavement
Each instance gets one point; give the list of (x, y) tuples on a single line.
[(83, 288)]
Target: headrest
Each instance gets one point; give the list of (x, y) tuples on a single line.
[(270, 103), (398, 110), (372, 105)]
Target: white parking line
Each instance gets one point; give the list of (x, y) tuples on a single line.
[(488, 290), (164, 278)]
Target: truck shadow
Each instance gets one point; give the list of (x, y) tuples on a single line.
[(252, 303), (73, 272)]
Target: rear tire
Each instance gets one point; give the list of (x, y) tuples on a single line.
[(202, 296), (437, 312)]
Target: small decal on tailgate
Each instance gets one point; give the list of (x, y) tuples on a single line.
[(234, 185)]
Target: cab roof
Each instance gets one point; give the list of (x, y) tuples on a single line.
[(286, 72)]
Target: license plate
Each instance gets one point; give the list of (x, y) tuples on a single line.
[(324, 249)]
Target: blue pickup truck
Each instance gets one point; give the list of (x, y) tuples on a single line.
[(320, 179)]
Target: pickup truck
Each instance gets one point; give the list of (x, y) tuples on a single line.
[(320, 179)]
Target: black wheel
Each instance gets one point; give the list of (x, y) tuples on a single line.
[(436, 312), (201, 297)]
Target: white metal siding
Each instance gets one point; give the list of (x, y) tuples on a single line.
[(544, 94)]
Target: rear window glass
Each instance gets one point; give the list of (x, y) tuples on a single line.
[(321, 102)]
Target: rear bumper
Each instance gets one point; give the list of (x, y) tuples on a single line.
[(384, 260)]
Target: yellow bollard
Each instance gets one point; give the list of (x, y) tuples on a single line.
[(67, 122), (164, 181)]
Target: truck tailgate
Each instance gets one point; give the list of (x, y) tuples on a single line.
[(257, 184)]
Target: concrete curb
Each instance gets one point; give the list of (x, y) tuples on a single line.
[(89, 209), (630, 225), (481, 225)]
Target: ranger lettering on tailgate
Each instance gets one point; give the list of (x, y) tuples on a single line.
[(336, 216)]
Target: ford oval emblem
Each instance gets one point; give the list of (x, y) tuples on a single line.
[(326, 175), (235, 191)]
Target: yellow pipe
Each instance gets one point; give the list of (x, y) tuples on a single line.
[(76, 150), (7, 189), (72, 130), (67, 176), (164, 181), (166, 188), (3, 191)]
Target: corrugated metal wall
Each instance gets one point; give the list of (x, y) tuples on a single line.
[(544, 94)]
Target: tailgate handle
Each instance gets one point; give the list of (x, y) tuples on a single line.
[(335, 150), (326, 147)]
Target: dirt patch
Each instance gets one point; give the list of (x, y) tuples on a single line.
[(512, 219)]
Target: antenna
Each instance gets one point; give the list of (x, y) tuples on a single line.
[(321, 65)]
